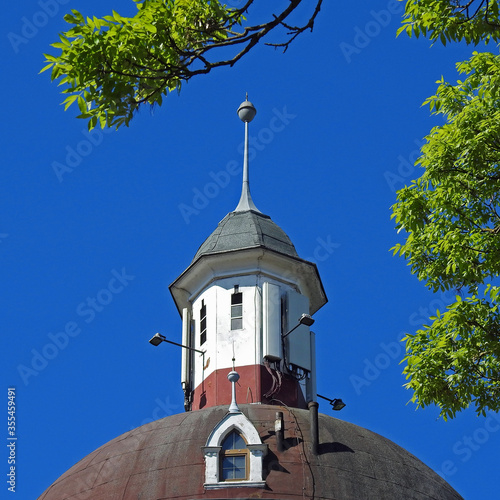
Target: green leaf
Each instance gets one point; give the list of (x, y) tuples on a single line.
[(45, 68), (82, 105), (69, 101)]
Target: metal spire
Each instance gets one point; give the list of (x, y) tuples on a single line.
[(233, 377), (246, 112)]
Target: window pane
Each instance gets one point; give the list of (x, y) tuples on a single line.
[(236, 324), (227, 444), (234, 467), (239, 467), (233, 442), (203, 323), (236, 311), (236, 298), (238, 442)]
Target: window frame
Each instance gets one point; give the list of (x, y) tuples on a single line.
[(203, 321), (234, 452), (237, 295)]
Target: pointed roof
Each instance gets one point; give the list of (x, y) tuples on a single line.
[(246, 229), (247, 237), (247, 226)]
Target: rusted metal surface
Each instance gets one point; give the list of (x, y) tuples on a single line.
[(163, 460)]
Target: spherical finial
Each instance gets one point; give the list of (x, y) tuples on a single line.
[(247, 111), (233, 376)]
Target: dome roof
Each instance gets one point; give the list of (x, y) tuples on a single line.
[(246, 229), (164, 460)]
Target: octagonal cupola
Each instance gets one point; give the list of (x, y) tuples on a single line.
[(244, 290)]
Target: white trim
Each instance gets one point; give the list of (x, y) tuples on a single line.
[(234, 484)]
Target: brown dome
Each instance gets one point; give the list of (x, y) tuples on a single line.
[(164, 460)]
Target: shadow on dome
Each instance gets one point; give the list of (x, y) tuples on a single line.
[(333, 448), (272, 464)]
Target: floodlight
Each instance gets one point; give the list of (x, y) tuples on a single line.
[(336, 404), (157, 339), (305, 319)]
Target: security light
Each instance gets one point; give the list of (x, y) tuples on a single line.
[(157, 339), (336, 404), (305, 319)]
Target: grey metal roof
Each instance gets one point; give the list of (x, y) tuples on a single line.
[(247, 229), (163, 460)]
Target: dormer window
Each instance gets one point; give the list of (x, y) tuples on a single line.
[(236, 309), (233, 454)]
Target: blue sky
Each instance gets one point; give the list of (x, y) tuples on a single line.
[(91, 252)]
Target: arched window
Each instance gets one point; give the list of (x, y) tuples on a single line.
[(234, 458)]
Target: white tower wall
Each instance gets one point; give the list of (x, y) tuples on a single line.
[(268, 306)]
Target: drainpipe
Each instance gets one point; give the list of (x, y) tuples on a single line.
[(279, 429), (313, 413)]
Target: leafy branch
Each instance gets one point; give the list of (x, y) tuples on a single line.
[(473, 22), (451, 220), (112, 66)]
